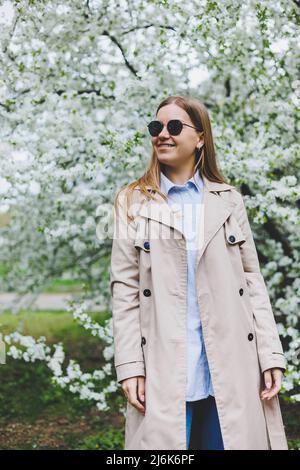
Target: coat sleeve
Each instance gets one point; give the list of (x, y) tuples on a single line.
[(270, 352), (124, 287)]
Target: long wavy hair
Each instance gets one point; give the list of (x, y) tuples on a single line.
[(205, 158)]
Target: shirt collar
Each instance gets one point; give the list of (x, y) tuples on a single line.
[(166, 185)]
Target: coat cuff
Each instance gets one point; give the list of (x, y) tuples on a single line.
[(130, 369), (273, 360)]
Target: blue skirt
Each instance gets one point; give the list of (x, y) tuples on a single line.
[(203, 430)]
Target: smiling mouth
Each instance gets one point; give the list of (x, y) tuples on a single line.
[(166, 146)]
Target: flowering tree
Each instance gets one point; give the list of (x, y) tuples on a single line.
[(79, 82)]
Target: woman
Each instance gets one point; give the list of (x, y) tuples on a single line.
[(196, 343)]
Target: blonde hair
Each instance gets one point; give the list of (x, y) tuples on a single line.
[(205, 159)]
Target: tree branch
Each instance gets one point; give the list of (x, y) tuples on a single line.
[(146, 26), (128, 65)]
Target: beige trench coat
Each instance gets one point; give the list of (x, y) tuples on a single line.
[(148, 284)]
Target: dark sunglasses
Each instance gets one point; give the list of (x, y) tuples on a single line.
[(174, 127)]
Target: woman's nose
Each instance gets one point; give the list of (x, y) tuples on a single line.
[(164, 132)]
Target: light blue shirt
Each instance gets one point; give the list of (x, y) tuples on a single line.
[(189, 196)]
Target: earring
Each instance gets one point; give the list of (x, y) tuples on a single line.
[(198, 150), (199, 158)]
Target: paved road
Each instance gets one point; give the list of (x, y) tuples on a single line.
[(44, 301)]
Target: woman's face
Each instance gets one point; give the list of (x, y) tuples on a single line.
[(183, 145)]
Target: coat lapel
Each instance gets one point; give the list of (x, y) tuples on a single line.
[(162, 212), (213, 213)]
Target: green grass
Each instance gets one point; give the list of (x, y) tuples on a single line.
[(55, 325), (294, 444), (35, 414), (109, 438), (64, 285)]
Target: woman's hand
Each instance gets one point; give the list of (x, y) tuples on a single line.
[(272, 379), (134, 391)]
